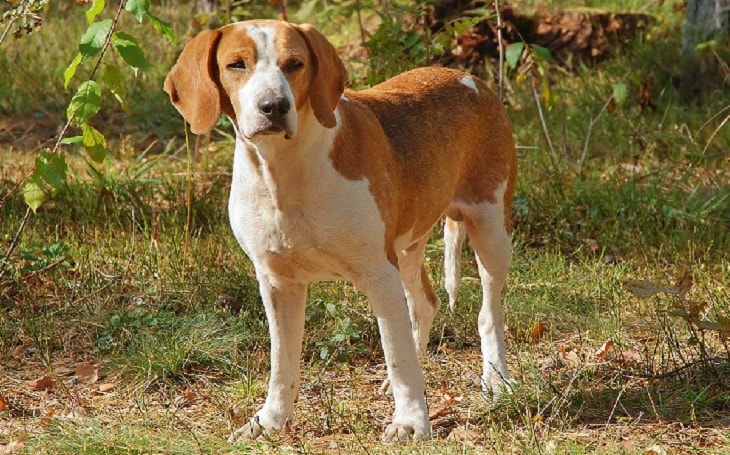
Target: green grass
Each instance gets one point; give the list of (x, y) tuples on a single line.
[(106, 272)]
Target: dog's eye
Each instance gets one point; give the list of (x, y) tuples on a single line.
[(237, 66), (293, 66)]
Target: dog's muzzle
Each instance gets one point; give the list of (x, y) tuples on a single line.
[(275, 111)]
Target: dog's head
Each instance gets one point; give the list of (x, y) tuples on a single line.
[(264, 75)]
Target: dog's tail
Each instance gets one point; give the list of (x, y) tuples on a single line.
[(454, 234)]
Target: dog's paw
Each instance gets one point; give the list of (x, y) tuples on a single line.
[(404, 432), (385, 388), (252, 430), (496, 384)]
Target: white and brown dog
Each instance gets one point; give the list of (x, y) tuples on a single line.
[(333, 184)]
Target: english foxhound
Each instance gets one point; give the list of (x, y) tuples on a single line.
[(332, 184)]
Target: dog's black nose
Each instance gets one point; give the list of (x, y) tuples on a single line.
[(274, 108)]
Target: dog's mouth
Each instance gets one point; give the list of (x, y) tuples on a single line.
[(270, 129)]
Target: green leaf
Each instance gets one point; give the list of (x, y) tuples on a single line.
[(85, 103), (138, 7), (112, 77), (541, 53), (94, 38), (620, 93), (33, 193), (51, 167), (96, 8), (513, 53), (94, 142), (72, 140), (162, 27), (712, 44), (71, 70), (129, 49)]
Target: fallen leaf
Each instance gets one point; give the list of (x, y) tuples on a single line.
[(643, 289), (723, 328), (87, 373), (684, 283), (539, 329), (592, 245), (603, 350), (546, 364), (75, 413), (4, 404), (463, 434), (655, 450), (571, 356), (186, 399), (449, 400), (63, 371), (105, 387), (630, 357), (12, 448), (44, 383)]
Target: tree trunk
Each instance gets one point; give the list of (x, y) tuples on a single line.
[(705, 20)]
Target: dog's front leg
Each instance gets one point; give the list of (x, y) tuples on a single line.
[(388, 301), (284, 302)]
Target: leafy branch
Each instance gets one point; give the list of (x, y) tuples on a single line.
[(49, 173), (101, 36)]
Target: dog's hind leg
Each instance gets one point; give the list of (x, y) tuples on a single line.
[(489, 236), (284, 302), (454, 234), (423, 303)]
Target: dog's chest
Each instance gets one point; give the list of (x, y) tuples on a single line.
[(328, 228)]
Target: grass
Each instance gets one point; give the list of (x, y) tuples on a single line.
[(178, 334)]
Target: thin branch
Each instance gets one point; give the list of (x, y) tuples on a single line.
[(545, 131), (501, 51), (61, 135), (591, 124), (107, 41), (14, 242), (10, 25)]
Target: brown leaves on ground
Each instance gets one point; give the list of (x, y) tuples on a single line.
[(86, 373), (690, 311), (449, 400), (43, 383)]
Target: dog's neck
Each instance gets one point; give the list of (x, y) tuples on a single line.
[(288, 168)]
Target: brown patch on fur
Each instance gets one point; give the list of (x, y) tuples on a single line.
[(329, 78), (424, 129), (192, 86)]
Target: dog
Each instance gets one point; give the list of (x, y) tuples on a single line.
[(335, 184)]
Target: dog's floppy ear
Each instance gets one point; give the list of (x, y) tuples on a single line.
[(329, 79), (191, 83)]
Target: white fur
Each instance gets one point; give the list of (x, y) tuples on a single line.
[(469, 82), (331, 230), (454, 235), (267, 79), (492, 244)]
